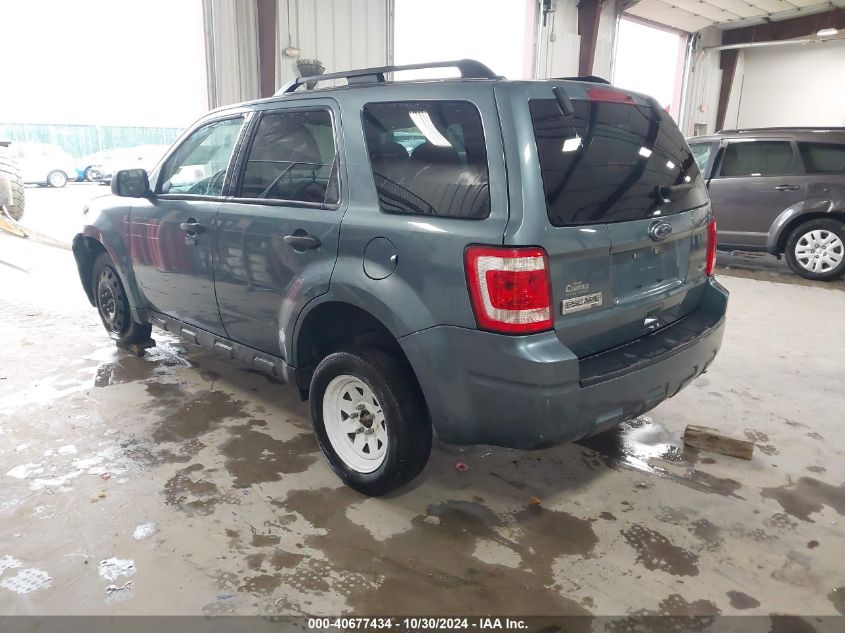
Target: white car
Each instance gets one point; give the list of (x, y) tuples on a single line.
[(142, 156), (44, 164)]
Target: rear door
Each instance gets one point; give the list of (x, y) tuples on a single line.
[(615, 197), (276, 241), (753, 182)]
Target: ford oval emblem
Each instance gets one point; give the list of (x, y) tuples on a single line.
[(659, 231)]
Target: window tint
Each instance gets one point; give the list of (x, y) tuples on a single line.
[(757, 158), (823, 158), (608, 161), (428, 158), (199, 164), (293, 157), (701, 153)]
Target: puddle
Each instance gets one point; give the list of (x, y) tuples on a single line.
[(437, 570), (113, 568), (26, 581), (157, 361), (656, 552), (254, 457), (189, 415), (837, 597), (807, 496), (185, 492), (742, 601), (638, 441), (674, 612)]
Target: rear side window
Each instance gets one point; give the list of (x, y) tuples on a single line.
[(823, 158), (293, 158), (608, 161), (428, 158), (757, 158)]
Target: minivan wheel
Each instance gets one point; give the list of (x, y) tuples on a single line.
[(113, 305), (57, 179), (370, 423), (816, 250)]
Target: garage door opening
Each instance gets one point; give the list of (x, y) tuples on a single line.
[(651, 59)]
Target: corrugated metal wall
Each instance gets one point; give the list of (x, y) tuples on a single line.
[(702, 94), (231, 51), (342, 34)]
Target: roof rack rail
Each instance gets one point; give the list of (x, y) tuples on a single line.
[(470, 69), (590, 78), (778, 128)]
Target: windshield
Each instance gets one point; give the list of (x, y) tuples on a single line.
[(613, 162)]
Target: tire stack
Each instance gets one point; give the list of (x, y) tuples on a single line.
[(10, 169)]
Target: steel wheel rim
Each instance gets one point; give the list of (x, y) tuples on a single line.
[(355, 424), (819, 251), (110, 300), (57, 179)]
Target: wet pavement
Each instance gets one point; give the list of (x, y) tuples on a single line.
[(178, 483)]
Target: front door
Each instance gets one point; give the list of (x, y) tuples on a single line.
[(753, 183), (172, 234), (277, 237)]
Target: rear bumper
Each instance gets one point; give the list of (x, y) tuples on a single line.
[(531, 391)]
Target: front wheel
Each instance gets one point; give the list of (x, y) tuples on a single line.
[(57, 179), (113, 304), (816, 250), (369, 420)]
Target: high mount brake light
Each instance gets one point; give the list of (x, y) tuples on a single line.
[(509, 288)]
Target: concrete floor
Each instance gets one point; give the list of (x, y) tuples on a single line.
[(180, 484)]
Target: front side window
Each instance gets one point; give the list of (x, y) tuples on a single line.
[(198, 166), (428, 158), (823, 158), (757, 158), (293, 157)]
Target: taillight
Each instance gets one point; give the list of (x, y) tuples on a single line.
[(509, 288), (711, 248)]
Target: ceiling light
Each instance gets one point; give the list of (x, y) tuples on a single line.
[(826, 32), (571, 144), (644, 152), (423, 121)]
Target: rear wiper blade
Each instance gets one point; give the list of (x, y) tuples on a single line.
[(563, 101), (669, 192)]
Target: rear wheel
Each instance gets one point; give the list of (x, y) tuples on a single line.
[(89, 175), (113, 305), (816, 249), (369, 420), (57, 179)]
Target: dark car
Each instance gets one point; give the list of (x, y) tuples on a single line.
[(779, 190), (538, 269)]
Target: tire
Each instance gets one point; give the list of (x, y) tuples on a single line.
[(816, 249), (398, 419), (57, 178), (113, 305), (89, 175), (9, 167)]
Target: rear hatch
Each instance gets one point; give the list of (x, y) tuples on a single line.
[(609, 188)]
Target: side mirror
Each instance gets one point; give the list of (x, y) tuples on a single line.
[(131, 183)]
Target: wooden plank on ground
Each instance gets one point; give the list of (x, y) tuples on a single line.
[(707, 439)]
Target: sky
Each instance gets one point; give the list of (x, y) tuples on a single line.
[(456, 30), (102, 62)]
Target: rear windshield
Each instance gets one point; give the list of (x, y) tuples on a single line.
[(613, 162)]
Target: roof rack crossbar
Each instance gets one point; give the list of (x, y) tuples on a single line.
[(591, 78), (469, 68)]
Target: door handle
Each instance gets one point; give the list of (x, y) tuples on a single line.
[(787, 188), (192, 226), (302, 241)]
